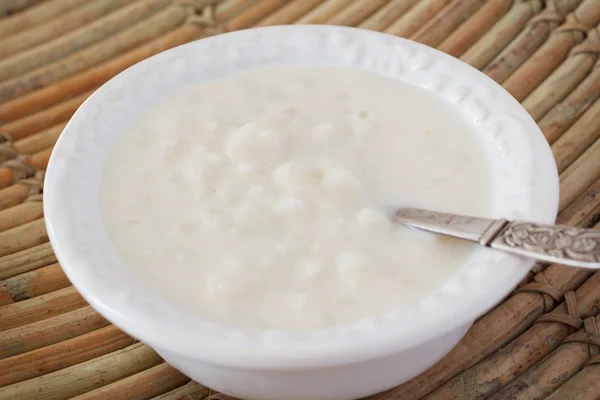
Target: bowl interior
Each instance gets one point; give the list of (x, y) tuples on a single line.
[(524, 173)]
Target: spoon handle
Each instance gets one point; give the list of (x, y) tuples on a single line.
[(561, 244)]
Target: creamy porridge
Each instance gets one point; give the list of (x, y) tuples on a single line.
[(263, 199)]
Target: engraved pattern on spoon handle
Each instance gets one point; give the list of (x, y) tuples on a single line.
[(553, 243)]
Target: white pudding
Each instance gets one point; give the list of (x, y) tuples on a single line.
[(263, 199)]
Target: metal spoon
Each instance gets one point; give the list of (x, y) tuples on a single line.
[(561, 244)]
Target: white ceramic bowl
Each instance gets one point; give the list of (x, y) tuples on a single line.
[(337, 363)]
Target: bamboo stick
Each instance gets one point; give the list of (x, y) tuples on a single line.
[(578, 138), (14, 171), (356, 12), (50, 331), (41, 140), (446, 21), (95, 54), (25, 189), (20, 214), (9, 7), (552, 53), (497, 370), (461, 39), (553, 371), (26, 260), (220, 396), (6, 176), (535, 34), (509, 319), (254, 14), (5, 297), (44, 119), (228, 9), (501, 33), (78, 39), (289, 12), (565, 78), (36, 15), (416, 17), (95, 76), (143, 385), (383, 18), (324, 12), (61, 355), (13, 195), (47, 30), (39, 308), (41, 158), (33, 283), (580, 175), (189, 391), (563, 115), (89, 375), (583, 386), (23, 237), (583, 211)]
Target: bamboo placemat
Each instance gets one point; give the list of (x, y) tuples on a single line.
[(541, 342)]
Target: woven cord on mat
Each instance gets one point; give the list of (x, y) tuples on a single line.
[(489, 376), (541, 342), (579, 349)]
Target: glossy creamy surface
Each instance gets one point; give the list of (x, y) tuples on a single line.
[(261, 199)]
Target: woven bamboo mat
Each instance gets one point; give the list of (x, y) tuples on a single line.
[(542, 342)]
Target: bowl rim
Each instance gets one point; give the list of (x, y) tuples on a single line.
[(81, 252)]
